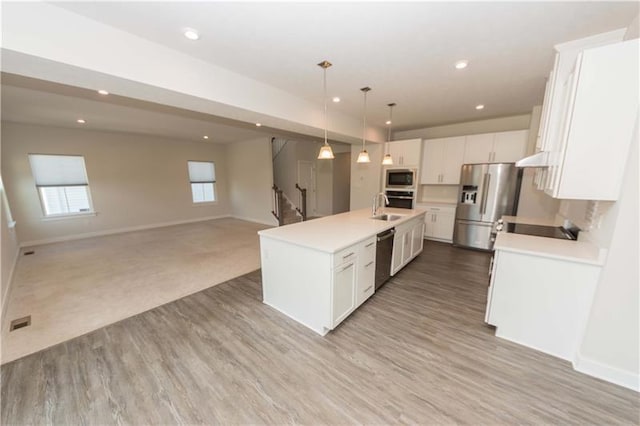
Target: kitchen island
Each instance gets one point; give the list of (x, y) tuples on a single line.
[(318, 272)]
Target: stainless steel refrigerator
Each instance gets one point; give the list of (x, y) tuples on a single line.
[(487, 192)]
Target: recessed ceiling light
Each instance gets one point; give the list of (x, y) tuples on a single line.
[(191, 34), (387, 122), (336, 99), (461, 64), (103, 92), (480, 106), (258, 124), (205, 137), (81, 121)]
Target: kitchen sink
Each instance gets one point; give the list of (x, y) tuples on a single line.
[(387, 217)]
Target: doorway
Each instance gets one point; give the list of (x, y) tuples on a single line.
[(307, 179)]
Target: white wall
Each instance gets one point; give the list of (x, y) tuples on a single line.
[(502, 124), (610, 347), (250, 180), (341, 182), (8, 255), (366, 177), (135, 180)]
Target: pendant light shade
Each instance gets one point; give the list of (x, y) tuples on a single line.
[(363, 157), (387, 160), (326, 153)]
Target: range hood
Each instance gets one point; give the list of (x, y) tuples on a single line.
[(540, 159)]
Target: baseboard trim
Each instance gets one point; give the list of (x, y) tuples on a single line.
[(255, 220), (118, 231), (606, 372), (7, 294)]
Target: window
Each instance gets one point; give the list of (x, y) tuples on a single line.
[(62, 184), (202, 175)]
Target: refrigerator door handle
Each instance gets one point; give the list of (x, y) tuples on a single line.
[(485, 193)]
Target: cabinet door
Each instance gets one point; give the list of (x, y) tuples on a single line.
[(509, 147), (432, 156), (443, 226), (406, 153), (428, 224), (417, 240), (406, 246), (398, 244), (478, 148), (452, 160), (343, 294)]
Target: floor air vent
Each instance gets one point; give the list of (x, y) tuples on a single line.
[(20, 323), (27, 253)]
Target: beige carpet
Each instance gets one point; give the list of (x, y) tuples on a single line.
[(75, 287)]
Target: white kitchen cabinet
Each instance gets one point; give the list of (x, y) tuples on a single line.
[(441, 160), (343, 292), (501, 147), (541, 302), (417, 238), (439, 222), (596, 116), (406, 152), (404, 246), (509, 147), (478, 148), (366, 271)]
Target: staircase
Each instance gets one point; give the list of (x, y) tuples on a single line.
[(289, 213)]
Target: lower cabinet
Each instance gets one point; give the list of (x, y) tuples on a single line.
[(540, 302), (407, 243), (365, 280), (344, 292), (439, 222)]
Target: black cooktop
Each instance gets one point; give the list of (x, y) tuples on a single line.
[(542, 231)]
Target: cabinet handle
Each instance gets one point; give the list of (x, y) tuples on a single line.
[(370, 244), (490, 266), (368, 264), (348, 256), (346, 267), (367, 289)]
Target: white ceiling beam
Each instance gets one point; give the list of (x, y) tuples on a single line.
[(43, 41)]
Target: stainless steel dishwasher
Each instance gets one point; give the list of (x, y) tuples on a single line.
[(384, 250)]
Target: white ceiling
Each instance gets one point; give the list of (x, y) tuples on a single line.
[(404, 51)]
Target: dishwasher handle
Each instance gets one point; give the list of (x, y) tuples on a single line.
[(386, 235)]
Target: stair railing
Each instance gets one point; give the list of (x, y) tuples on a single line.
[(278, 203), (303, 202)]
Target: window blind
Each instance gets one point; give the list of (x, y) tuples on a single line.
[(201, 172), (58, 170)]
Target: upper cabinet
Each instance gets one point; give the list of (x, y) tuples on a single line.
[(406, 152), (502, 147), (589, 114), (441, 161)]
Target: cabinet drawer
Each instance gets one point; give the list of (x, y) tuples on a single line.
[(368, 251), (346, 255)]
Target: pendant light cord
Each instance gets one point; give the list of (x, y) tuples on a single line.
[(326, 119), (390, 122), (364, 121)]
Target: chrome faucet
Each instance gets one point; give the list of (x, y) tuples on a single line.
[(374, 209)]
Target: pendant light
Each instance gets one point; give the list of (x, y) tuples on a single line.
[(387, 160), (326, 153), (363, 157)]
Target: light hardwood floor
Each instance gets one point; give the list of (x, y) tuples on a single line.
[(75, 287), (416, 352)]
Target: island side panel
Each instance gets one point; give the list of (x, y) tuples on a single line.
[(296, 281)]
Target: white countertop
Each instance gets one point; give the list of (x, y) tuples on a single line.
[(573, 251), (334, 233)]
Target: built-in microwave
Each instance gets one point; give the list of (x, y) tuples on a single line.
[(400, 179)]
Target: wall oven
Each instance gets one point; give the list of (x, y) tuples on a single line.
[(401, 199), (401, 179)]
